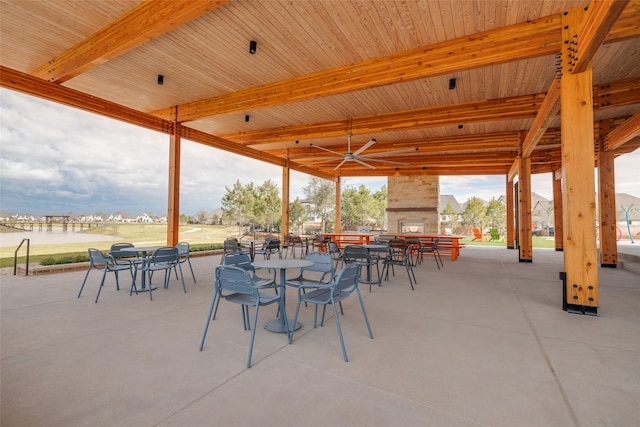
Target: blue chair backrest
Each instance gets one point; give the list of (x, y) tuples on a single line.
[(355, 252), (348, 278), (183, 248), (233, 279), (238, 259), (97, 257), (273, 244), (116, 247), (322, 262), (164, 255)]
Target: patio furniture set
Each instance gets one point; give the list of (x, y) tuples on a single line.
[(326, 276)]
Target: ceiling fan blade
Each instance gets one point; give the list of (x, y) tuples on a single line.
[(341, 163), (333, 159), (387, 153), (364, 147), (387, 161), (364, 164), (326, 149)]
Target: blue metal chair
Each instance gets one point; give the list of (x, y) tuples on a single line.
[(105, 264), (340, 288), (241, 259), (234, 284), (183, 254), (270, 246), (401, 259), (360, 254), (335, 252), (322, 264), (426, 248), (122, 257), (166, 259)]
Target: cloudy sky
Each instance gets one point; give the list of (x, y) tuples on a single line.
[(56, 160)]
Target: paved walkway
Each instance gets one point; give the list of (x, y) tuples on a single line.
[(482, 342)]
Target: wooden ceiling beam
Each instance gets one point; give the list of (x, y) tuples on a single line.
[(536, 38), (599, 20), (30, 85), (500, 141), (624, 92), (150, 19), (519, 107), (429, 171), (628, 130), (548, 110)]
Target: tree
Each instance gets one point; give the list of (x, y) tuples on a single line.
[(321, 195), (497, 213), (475, 213), (356, 207), (201, 217), (253, 205), (379, 211), (268, 205), (450, 217), (297, 214), (236, 204)]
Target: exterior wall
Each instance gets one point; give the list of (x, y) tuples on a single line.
[(413, 200)]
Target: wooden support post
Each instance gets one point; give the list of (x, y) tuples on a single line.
[(524, 211), (511, 229), (338, 226), (557, 210), (173, 205), (578, 191), (286, 177), (607, 205)]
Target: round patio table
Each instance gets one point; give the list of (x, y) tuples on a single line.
[(283, 265)]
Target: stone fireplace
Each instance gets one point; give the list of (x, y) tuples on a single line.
[(413, 204)]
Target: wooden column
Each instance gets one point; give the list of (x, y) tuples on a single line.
[(173, 205), (578, 192), (338, 226), (511, 228), (286, 177), (524, 211), (557, 209), (607, 205)]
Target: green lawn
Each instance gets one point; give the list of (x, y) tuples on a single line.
[(138, 234), (538, 242)]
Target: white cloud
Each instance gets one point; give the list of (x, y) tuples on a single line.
[(56, 159)]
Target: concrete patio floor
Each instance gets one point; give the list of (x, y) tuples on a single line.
[(482, 342)]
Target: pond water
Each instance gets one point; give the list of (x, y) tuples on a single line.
[(56, 236)]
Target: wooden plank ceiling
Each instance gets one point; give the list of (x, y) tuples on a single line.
[(374, 69)]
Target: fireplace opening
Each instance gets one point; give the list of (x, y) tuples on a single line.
[(411, 227)]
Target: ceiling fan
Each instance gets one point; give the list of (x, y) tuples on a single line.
[(360, 158)]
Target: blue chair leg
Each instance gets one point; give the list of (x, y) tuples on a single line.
[(366, 318), (184, 288), (253, 334), (295, 321), (85, 279), (344, 350), (191, 268), (101, 283), (212, 314)]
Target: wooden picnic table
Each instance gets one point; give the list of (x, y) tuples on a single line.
[(447, 243), (344, 239)]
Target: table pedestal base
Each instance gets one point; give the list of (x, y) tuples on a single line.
[(146, 289), (277, 326)]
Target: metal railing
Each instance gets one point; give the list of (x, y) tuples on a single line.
[(15, 257)]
